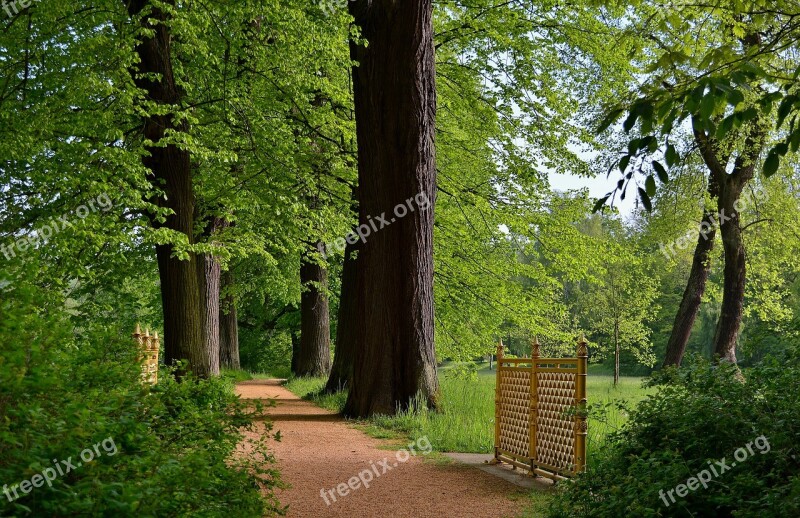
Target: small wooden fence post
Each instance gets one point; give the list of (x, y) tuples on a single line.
[(497, 397), (581, 427), (533, 416), (149, 347)]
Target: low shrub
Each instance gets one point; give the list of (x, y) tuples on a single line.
[(81, 436), (701, 414)]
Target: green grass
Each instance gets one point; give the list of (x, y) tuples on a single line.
[(238, 375), (608, 408), (274, 373), (235, 376), (312, 390)]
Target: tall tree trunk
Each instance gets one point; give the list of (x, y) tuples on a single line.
[(695, 286), (735, 273), (314, 354), (347, 325), (728, 219), (210, 285), (209, 282), (171, 171), (228, 325), (730, 318), (395, 107)]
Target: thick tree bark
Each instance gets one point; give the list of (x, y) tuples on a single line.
[(395, 106), (695, 286), (228, 325), (730, 318), (314, 353), (735, 273), (347, 325), (728, 219), (171, 171), (209, 282)]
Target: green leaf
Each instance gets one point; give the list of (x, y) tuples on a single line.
[(671, 156), (661, 172), (609, 119), (623, 163), (645, 200), (735, 98), (752, 69), (633, 146), (650, 186), (630, 122), (740, 79), (771, 163), (707, 106), (600, 203), (794, 140), (665, 107), (785, 108), (748, 115), (650, 143), (726, 126)]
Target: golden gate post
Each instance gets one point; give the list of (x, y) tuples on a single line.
[(532, 418), (497, 398), (581, 427), (149, 349)]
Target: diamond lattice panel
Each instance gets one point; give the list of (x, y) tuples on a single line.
[(555, 432), (515, 396)]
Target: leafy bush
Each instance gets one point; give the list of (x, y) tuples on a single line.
[(169, 451), (701, 414)]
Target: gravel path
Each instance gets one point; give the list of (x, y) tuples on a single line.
[(320, 451)]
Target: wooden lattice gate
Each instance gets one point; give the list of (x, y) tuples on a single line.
[(540, 412)]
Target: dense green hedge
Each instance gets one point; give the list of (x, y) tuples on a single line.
[(700, 415), (161, 452)]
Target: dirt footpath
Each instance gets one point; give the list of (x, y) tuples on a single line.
[(323, 458)]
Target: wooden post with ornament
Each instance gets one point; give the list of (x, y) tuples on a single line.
[(149, 349), (581, 426)]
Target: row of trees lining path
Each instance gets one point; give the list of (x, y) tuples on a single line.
[(385, 326)]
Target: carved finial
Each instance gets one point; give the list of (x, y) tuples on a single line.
[(535, 347), (499, 349), (147, 332), (155, 336), (138, 331), (583, 351)]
